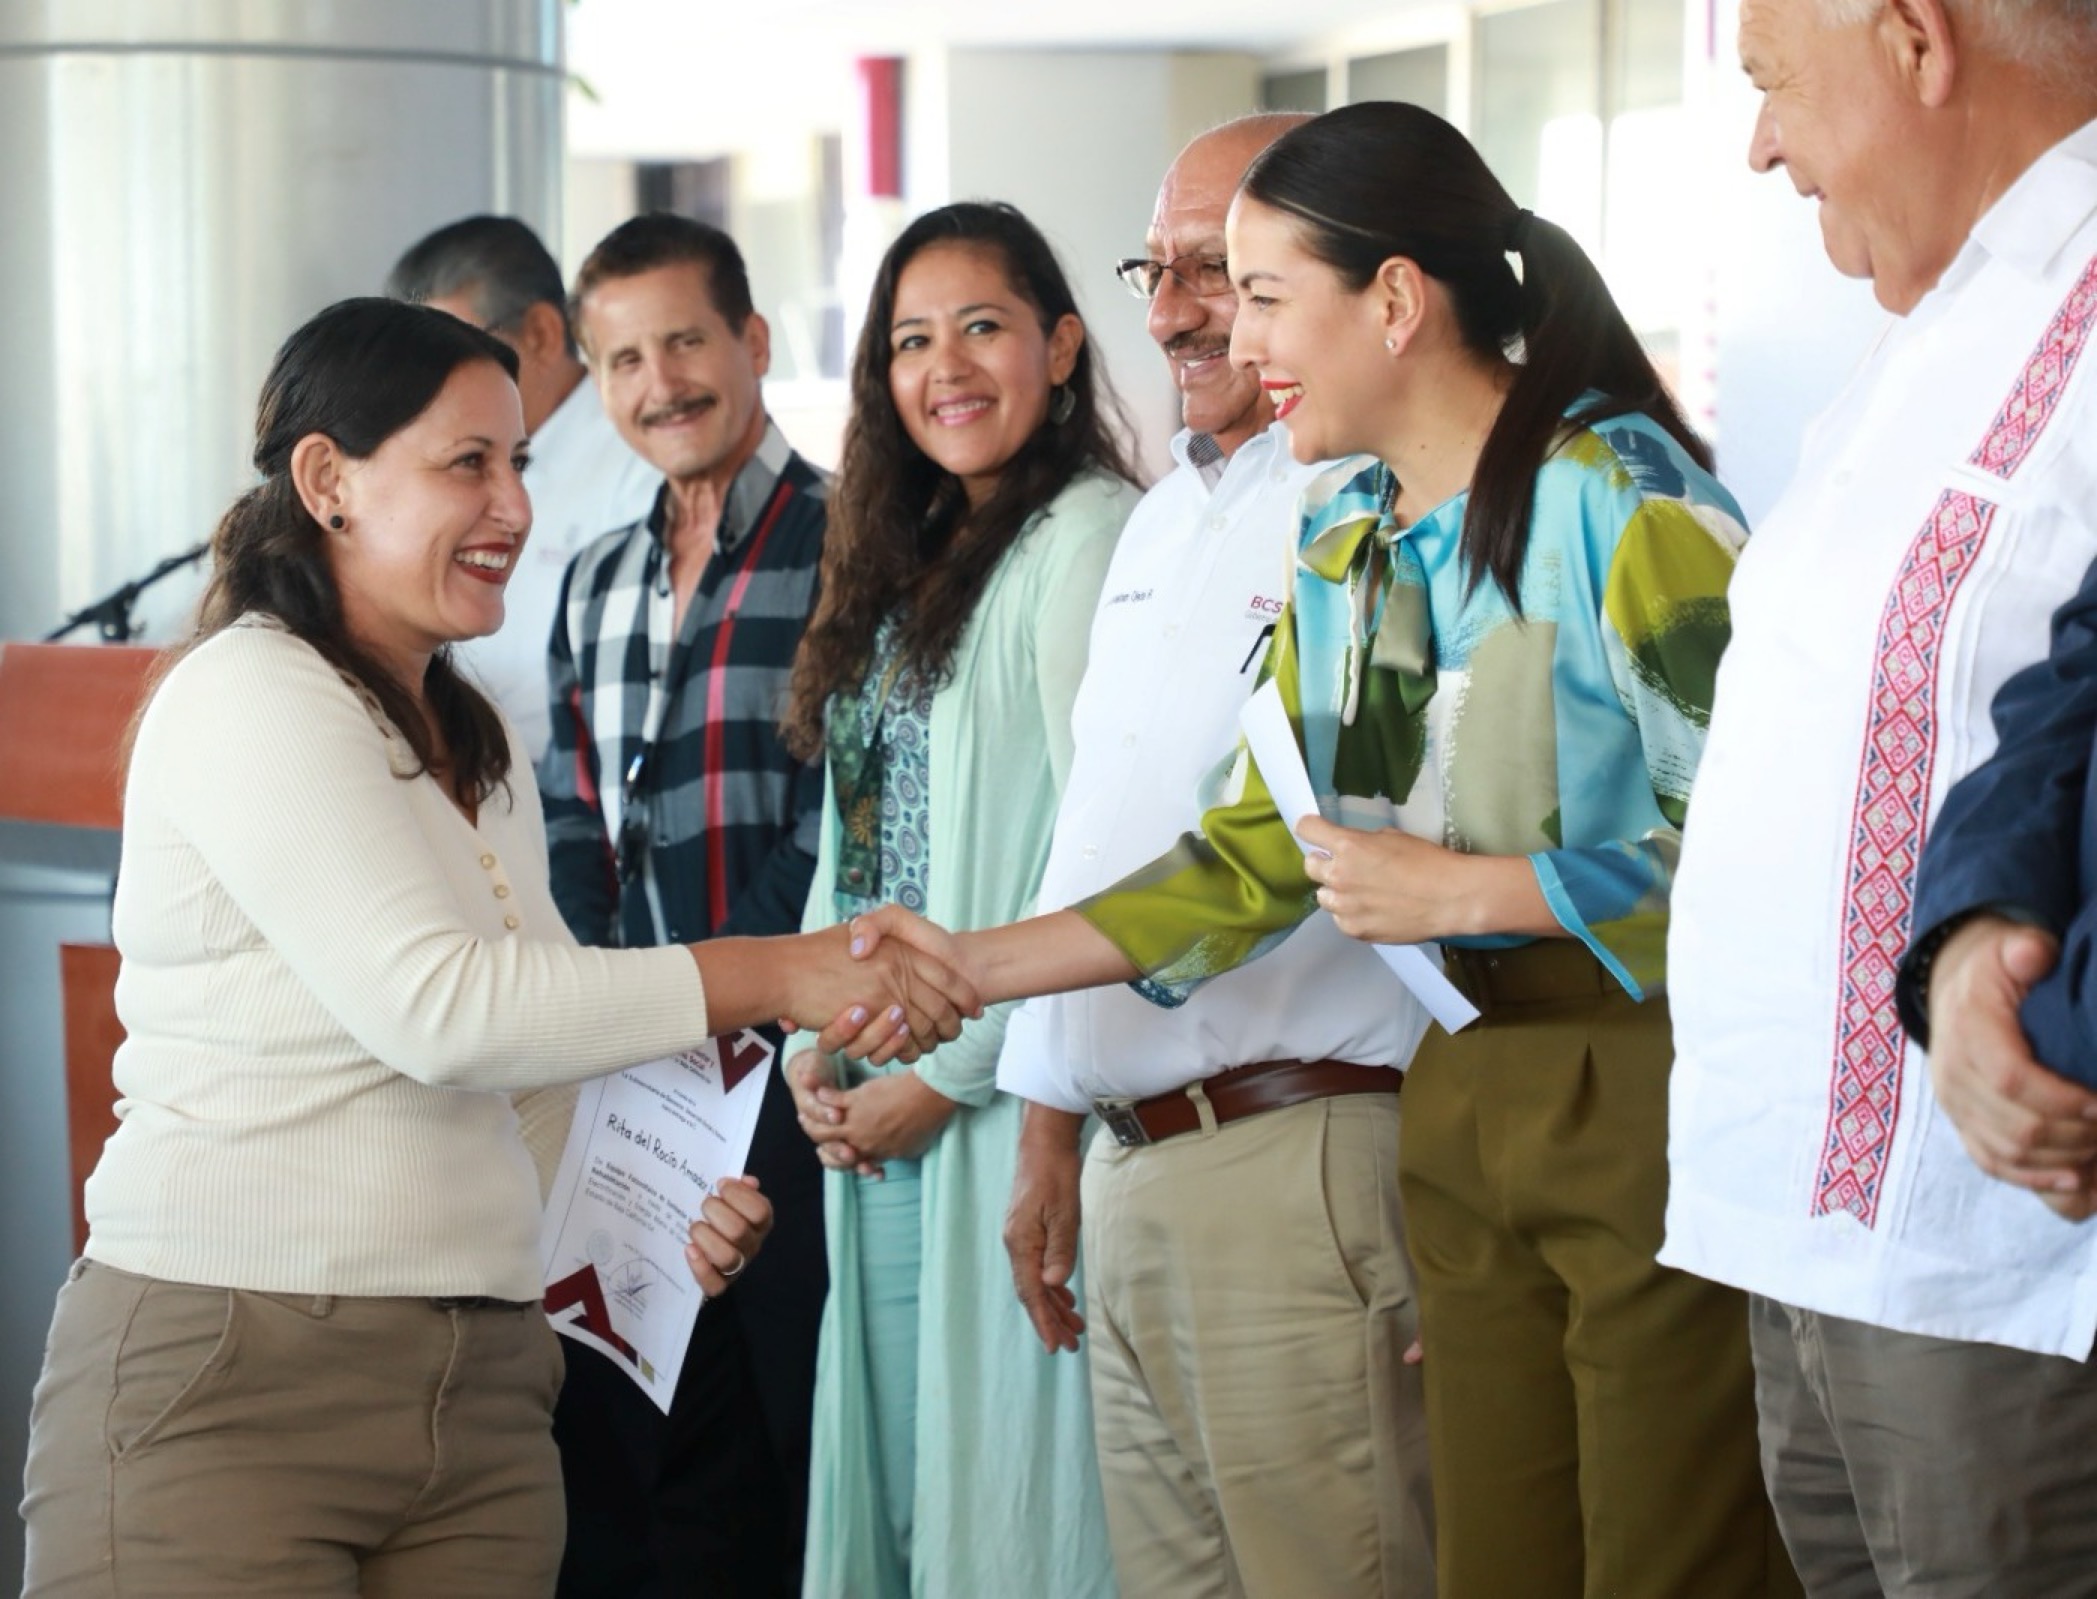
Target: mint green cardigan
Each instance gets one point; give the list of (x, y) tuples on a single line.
[(1008, 1497)]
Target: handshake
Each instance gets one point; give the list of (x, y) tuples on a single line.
[(893, 986), (902, 988), (887, 986)]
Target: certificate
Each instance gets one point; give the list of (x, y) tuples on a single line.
[(1265, 723), (645, 1149)]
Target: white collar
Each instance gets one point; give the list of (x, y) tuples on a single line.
[(2033, 220)]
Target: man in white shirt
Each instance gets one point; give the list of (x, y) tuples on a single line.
[(1247, 1289), (583, 480), (1921, 1331)]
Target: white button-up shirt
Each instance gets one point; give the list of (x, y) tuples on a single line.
[(1190, 603), (583, 481), (1944, 506)]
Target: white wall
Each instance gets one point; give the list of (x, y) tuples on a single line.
[(1079, 141), (1789, 329), (597, 194)]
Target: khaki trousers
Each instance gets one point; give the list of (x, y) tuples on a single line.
[(1921, 1468), (1249, 1303), (206, 1443), (1591, 1412)]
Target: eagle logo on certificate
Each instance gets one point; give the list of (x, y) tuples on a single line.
[(645, 1149)]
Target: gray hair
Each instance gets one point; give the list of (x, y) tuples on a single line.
[(497, 263), (2055, 39)]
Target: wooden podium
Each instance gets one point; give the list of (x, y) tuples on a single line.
[(64, 711)]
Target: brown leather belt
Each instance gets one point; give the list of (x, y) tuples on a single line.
[(480, 1302), (1239, 1092)]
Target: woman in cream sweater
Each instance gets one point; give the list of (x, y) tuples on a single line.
[(302, 1353)]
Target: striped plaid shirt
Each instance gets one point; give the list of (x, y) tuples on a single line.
[(731, 819)]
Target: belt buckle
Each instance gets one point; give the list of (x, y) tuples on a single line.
[(1119, 1117)]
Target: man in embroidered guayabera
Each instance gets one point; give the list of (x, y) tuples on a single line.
[(674, 813), (1223, 1340), (1922, 1320)]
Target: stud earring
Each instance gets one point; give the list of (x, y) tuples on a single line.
[(1391, 345), (335, 522)]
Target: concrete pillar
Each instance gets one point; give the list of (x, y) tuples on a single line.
[(187, 181)]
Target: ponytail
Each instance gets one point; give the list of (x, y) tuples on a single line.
[(1381, 179), (1573, 340)]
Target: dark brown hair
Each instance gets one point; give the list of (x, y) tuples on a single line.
[(902, 538), (1381, 179), (359, 372), (663, 238)]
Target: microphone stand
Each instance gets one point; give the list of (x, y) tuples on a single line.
[(111, 614)]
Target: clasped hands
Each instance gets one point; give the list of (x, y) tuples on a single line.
[(2021, 1123)]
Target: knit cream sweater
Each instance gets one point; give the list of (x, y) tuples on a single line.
[(339, 994)]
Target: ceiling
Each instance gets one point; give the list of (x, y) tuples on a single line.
[(869, 26), (692, 77)]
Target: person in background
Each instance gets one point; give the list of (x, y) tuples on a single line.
[(583, 480), (978, 501), (1922, 1333), (1502, 640), (676, 814), (304, 1352), (1258, 1430)]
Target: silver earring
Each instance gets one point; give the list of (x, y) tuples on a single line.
[(1063, 403)]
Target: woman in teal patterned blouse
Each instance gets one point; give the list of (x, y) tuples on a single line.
[(974, 513), (1499, 659)]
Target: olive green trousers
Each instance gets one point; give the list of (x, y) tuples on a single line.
[(1591, 1414)]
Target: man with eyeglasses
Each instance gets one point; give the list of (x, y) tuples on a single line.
[(583, 480), (1248, 1296), (675, 813)]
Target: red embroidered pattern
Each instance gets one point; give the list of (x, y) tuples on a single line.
[(2029, 408), (1900, 746), (1893, 780)]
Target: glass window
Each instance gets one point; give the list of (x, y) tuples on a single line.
[(1577, 107), (1537, 110), (1648, 258), (690, 188), (1649, 41), (1420, 76), (1294, 91)]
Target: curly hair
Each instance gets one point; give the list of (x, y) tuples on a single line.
[(903, 538)]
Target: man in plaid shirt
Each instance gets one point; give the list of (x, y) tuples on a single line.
[(674, 813)]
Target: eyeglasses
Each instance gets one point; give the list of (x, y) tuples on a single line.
[(1203, 275), (632, 848)]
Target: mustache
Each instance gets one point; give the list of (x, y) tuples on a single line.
[(676, 410), (1195, 346)]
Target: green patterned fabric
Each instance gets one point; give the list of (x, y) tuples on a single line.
[(1567, 731), (879, 747)]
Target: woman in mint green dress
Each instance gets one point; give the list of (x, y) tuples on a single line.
[(1498, 660), (977, 504)]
